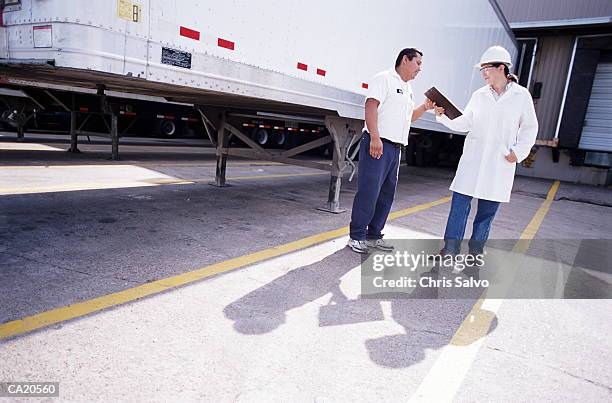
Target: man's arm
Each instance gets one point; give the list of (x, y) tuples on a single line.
[(418, 112), (371, 116)]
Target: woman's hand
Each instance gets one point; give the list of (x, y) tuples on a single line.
[(429, 104), (511, 157)]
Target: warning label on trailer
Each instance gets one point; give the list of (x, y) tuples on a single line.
[(43, 37), (176, 58), (128, 10)]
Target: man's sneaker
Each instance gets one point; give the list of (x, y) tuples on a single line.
[(380, 244), (358, 246)]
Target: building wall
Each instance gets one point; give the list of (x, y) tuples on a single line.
[(553, 57), (542, 166), (555, 48), (547, 10)]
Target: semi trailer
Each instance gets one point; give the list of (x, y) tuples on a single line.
[(291, 73)]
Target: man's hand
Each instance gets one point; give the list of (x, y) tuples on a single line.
[(511, 157), (376, 147), (426, 106)]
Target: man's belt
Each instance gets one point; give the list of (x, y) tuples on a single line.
[(394, 144), (384, 140)]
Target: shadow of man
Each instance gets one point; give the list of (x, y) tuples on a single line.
[(265, 309)]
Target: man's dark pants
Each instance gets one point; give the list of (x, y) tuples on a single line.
[(376, 182)]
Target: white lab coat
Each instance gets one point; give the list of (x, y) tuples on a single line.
[(495, 128)]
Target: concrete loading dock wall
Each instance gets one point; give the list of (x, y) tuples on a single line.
[(572, 39)]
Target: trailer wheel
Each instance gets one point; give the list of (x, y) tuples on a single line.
[(419, 157), (260, 136), (280, 138), (410, 151), (327, 150), (167, 128), (425, 142)]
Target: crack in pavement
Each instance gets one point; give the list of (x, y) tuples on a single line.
[(601, 385), (584, 201), (93, 275), (530, 194), (48, 263)]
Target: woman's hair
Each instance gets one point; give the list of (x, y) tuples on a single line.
[(509, 76)]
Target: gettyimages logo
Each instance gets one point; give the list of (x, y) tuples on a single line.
[(411, 261), (508, 269)]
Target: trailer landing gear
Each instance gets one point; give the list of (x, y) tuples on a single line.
[(344, 133), (105, 108), (222, 147)]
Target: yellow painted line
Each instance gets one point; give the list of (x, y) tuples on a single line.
[(135, 163), (248, 177), (276, 176), (168, 181), (74, 187), (212, 164), (93, 166), (536, 221), (140, 183), (416, 209), (80, 309), (71, 187), (27, 147), (251, 177), (456, 358)]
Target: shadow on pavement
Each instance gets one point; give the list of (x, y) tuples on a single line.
[(428, 323)]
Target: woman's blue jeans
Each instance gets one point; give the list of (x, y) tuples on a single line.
[(457, 221)]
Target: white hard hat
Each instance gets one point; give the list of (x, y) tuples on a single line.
[(495, 54)]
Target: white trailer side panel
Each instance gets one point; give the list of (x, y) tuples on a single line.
[(246, 48)]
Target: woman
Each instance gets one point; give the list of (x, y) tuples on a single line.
[(502, 127)]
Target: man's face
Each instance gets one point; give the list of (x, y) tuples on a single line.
[(413, 67)]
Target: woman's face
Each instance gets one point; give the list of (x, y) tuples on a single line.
[(491, 73)]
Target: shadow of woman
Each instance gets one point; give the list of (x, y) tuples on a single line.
[(432, 318)]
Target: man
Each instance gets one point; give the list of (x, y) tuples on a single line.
[(389, 111)]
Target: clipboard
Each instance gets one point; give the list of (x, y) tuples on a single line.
[(450, 110)]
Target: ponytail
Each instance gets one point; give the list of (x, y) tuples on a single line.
[(510, 76)]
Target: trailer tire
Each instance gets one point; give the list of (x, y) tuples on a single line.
[(410, 152), (167, 128), (419, 157), (425, 142), (260, 136), (280, 138), (327, 150)]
